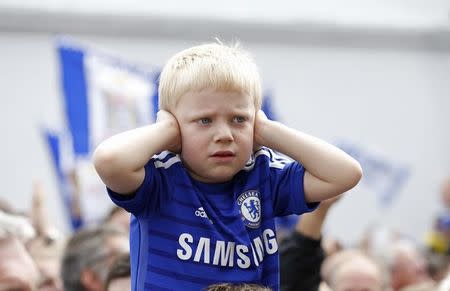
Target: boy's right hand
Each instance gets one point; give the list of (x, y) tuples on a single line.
[(171, 122)]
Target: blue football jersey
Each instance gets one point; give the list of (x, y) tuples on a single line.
[(186, 235)]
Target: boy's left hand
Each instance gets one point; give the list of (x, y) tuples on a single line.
[(260, 121)]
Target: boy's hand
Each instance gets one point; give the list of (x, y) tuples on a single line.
[(260, 121), (164, 116)]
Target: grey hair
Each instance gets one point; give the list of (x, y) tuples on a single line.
[(81, 251)]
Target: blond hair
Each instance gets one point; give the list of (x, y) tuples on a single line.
[(215, 65)]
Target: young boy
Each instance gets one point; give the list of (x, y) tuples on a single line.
[(204, 183)]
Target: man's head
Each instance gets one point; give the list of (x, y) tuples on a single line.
[(214, 92), (407, 265), (17, 269), (119, 274), (119, 217), (88, 256), (46, 252), (351, 270)]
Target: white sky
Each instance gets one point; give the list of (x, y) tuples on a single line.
[(421, 14)]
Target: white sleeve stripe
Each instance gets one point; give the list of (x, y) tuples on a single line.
[(262, 152), (161, 155), (168, 163), (278, 163), (274, 156), (278, 157), (271, 165), (249, 167)]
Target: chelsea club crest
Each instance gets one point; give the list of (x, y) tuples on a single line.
[(250, 207)]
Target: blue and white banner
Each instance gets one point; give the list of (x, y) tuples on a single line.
[(103, 95)]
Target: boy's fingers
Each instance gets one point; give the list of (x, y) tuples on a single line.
[(163, 115), (261, 115), (159, 115)]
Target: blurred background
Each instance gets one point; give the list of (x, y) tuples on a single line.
[(372, 77)]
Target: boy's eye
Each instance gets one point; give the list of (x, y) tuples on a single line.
[(204, 121), (239, 119)]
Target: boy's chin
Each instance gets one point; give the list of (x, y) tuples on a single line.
[(212, 178)]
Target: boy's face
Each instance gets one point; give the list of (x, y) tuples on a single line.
[(216, 133)]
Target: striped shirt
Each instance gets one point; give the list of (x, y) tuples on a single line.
[(186, 235)]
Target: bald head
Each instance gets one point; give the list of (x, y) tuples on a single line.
[(408, 265), (352, 271), (17, 269)]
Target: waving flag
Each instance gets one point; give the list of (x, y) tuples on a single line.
[(103, 95)]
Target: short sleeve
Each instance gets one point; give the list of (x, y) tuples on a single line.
[(288, 193), (146, 198)]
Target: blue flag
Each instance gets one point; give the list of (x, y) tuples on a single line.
[(102, 95)]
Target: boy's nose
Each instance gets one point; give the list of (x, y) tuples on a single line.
[(223, 134)]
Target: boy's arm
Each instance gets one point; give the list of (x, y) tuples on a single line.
[(120, 159), (329, 170)]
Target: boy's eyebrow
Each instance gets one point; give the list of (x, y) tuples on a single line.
[(202, 113)]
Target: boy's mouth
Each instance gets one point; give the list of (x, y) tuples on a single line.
[(223, 154)]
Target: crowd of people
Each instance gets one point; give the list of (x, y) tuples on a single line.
[(35, 256), (384, 259), (204, 184)]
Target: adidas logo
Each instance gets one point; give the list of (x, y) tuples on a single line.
[(201, 212)]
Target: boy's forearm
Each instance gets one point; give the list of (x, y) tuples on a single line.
[(335, 168), (131, 150)]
